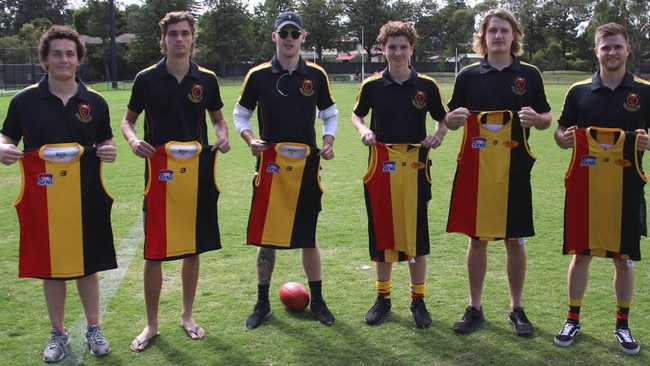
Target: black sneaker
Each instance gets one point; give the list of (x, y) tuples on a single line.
[(469, 321), (568, 334), (520, 322), (628, 344), (378, 311), (261, 311), (319, 309), (420, 314)]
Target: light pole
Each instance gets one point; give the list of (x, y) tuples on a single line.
[(314, 48), (363, 74)]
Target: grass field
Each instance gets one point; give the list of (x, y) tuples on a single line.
[(227, 288)]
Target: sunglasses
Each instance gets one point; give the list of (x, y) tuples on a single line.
[(294, 34)]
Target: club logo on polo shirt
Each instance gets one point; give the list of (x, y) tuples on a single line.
[(632, 102), (84, 113), (307, 88), (196, 94), (519, 86), (420, 99)]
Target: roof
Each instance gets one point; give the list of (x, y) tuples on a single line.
[(346, 56)]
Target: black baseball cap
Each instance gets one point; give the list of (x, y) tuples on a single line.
[(288, 18)]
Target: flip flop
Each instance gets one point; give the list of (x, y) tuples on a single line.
[(138, 343), (193, 334)]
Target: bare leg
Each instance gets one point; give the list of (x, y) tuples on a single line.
[(516, 270), (623, 280), (88, 288), (265, 265), (578, 276), (311, 263), (476, 269), (55, 292), (418, 270), (152, 286), (190, 278)]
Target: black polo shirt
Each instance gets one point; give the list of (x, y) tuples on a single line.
[(39, 117), (173, 110), (483, 88), (590, 103), (286, 101), (399, 112)]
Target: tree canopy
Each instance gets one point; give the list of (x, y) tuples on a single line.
[(558, 33)]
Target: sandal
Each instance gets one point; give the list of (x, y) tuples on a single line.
[(136, 343), (193, 334)]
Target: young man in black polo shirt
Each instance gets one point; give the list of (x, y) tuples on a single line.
[(497, 101), (175, 94), (613, 98), (287, 90), (57, 110), (400, 99)]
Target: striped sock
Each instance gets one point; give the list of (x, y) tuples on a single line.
[(574, 310), (622, 313), (383, 288), (417, 290)]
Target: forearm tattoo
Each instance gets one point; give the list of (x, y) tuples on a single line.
[(265, 265)]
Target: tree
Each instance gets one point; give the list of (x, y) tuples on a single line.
[(54, 10), (564, 18), (93, 20), (533, 21), (224, 34), (321, 20), (365, 19), (144, 49)]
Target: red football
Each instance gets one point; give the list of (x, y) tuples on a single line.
[(294, 296)]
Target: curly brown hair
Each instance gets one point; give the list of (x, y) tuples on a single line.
[(396, 29), (59, 32)]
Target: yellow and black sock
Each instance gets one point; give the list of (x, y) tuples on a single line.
[(417, 290), (574, 310), (383, 288), (622, 313)]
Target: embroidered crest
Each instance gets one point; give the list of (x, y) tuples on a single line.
[(632, 102), (519, 86), (84, 113), (420, 99), (196, 94), (307, 88)]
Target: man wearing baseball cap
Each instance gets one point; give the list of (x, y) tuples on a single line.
[(287, 90), (288, 18)]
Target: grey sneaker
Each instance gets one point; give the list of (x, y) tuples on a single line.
[(628, 344), (56, 347), (96, 342)]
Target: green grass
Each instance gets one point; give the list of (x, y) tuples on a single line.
[(227, 288)]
